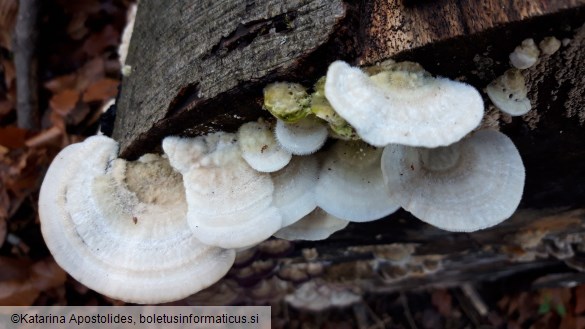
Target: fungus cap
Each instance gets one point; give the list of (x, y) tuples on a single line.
[(404, 106), (120, 228), (229, 203), (350, 184), (259, 147), (468, 186), (525, 55), (294, 189), (549, 45), (318, 225), (508, 93), (303, 137)]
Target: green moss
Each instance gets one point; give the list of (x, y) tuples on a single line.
[(321, 108), (288, 102)]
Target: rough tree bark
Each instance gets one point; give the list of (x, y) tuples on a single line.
[(199, 66)]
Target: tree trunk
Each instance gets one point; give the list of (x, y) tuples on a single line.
[(201, 66)]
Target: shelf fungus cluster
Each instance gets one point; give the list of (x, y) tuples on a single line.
[(406, 139), (166, 226), (508, 92)]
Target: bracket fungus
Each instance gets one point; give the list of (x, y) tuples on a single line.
[(508, 92), (350, 183), (468, 186), (120, 228), (303, 137), (549, 45), (259, 147), (525, 55), (404, 106), (294, 189), (230, 205), (318, 225)]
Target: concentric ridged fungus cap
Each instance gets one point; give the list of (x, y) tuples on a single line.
[(260, 148), (525, 55), (350, 183), (468, 186), (318, 225), (404, 106), (508, 92), (294, 189), (303, 137), (229, 203), (120, 227)]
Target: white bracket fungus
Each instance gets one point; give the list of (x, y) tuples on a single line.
[(230, 205), (404, 106), (303, 137), (260, 148), (294, 189), (318, 225), (549, 45), (350, 183), (508, 92), (468, 186), (525, 55), (120, 227)]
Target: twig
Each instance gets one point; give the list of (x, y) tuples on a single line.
[(26, 65), (407, 312)]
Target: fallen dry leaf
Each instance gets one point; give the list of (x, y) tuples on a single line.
[(101, 90), (44, 137), (63, 102), (92, 70), (97, 42), (22, 281), (442, 300), (9, 72), (6, 107), (12, 136), (47, 274), (67, 81), (76, 28), (568, 322)]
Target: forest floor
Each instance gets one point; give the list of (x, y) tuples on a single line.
[(79, 73)]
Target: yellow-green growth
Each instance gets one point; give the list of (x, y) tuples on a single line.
[(287, 101), (321, 108)]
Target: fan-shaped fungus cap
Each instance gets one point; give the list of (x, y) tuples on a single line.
[(350, 183), (303, 137), (508, 93), (403, 106), (294, 189), (259, 147), (468, 186), (318, 225), (549, 45), (120, 228), (229, 203), (287, 101), (525, 55)]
